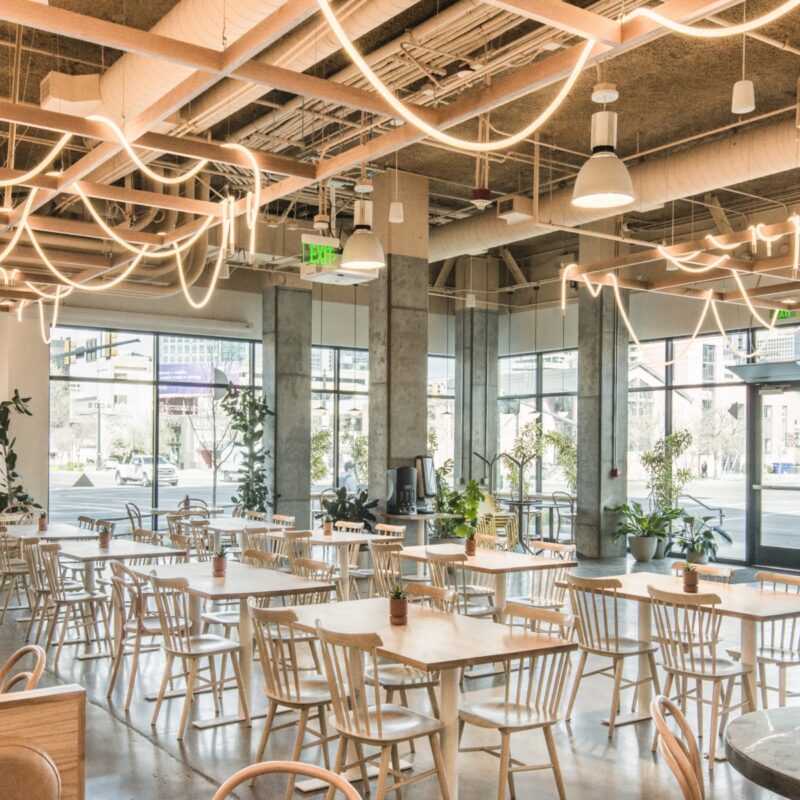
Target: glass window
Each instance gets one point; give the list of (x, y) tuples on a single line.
[(218, 361), (517, 375), (646, 424), (646, 365), (560, 416), (441, 408), (705, 359), (323, 370), (353, 371), (353, 441), (322, 430), (103, 355), (783, 344), (560, 372)]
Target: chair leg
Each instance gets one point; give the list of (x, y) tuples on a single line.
[(505, 759), (712, 734), (438, 761), (699, 699), (654, 674), (362, 765), (762, 679), (9, 581), (551, 749), (323, 732), (404, 701), (302, 723), (116, 663), (667, 689), (137, 646), (575, 684), (383, 773), (612, 717), (434, 701), (726, 704), (216, 691), (64, 627), (163, 688), (245, 701), (781, 686), (187, 703), (34, 604), (398, 793), (262, 745), (338, 767)]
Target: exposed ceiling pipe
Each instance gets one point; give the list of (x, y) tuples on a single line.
[(755, 153)]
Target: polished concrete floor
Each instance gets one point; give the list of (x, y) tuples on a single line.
[(127, 758)]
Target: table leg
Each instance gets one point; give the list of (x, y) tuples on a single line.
[(89, 579), (448, 705), (550, 523), (749, 636), (344, 571), (420, 543), (500, 580), (216, 538), (246, 656)]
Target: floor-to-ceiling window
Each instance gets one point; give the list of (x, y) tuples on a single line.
[(137, 417), (441, 409), (339, 418)]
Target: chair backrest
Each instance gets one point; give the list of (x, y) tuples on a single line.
[(687, 627), (284, 520), (595, 604), (312, 570), (540, 677), (180, 541), (385, 565), (27, 678), (256, 539), (448, 571), (172, 605), (86, 522), (9, 549), (291, 767), (176, 520), (548, 586), (297, 545), (565, 500), (681, 753), (192, 502), (27, 771), (345, 525), (144, 537), (781, 634), (261, 559), (706, 572), (105, 524), (345, 656), (427, 596), (52, 570), (488, 541), (33, 561), (566, 552), (126, 593), (201, 541), (134, 516), (258, 516), (384, 529)]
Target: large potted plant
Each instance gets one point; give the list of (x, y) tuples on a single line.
[(466, 505), (13, 497), (698, 540), (341, 508), (643, 529)]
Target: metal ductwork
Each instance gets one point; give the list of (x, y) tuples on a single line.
[(754, 153)]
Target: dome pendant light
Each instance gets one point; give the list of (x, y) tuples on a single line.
[(603, 180), (363, 250)]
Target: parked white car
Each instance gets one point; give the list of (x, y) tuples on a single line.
[(139, 469)]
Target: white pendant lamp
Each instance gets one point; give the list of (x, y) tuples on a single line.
[(363, 250), (603, 181), (744, 97)]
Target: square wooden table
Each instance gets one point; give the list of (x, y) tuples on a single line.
[(56, 532), (499, 563), (749, 604), (421, 522), (162, 512), (341, 541), (90, 553), (432, 641), (233, 526), (239, 583)]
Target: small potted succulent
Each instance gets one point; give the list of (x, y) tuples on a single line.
[(698, 540), (466, 505), (219, 562), (327, 526), (643, 529), (43, 521), (690, 578), (105, 537), (398, 605)]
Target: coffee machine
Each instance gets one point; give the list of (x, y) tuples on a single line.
[(402, 485)]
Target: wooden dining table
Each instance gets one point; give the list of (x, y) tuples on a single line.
[(420, 522), (434, 641), (56, 532), (747, 603), (498, 563), (238, 583), (233, 526)]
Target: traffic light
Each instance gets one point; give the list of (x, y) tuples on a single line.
[(109, 339), (69, 352)]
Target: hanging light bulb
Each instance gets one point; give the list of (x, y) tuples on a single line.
[(363, 250), (396, 213), (603, 180), (743, 100)]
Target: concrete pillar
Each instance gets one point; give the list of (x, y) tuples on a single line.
[(602, 408), (287, 387), (476, 372), (398, 331)]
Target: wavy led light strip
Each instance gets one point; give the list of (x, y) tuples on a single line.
[(713, 33), (41, 166), (252, 202), (681, 263), (47, 339), (401, 108), (12, 242)]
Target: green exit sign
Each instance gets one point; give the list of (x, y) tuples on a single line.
[(321, 251), (785, 314)]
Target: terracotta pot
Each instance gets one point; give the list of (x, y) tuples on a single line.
[(42, 523), (470, 546), (327, 527), (105, 539), (690, 581), (218, 565), (398, 611)]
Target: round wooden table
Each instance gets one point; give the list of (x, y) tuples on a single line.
[(765, 747)]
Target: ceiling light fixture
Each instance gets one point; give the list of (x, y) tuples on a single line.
[(603, 180), (363, 250)]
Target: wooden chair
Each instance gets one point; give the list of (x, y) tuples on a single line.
[(13, 570), (284, 520), (380, 725), (87, 523), (294, 768), (533, 703), (81, 609), (172, 603), (778, 640), (385, 565), (488, 541), (134, 516), (687, 626), (545, 549), (286, 685), (201, 540), (179, 541), (27, 772), (712, 573), (256, 516), (261, 559), (565, 514), (297, 545), (681, 754), (347, 526), (28, 678), (384, 529), (38, 591), (313, 570), (191, 503), (596, 606), (547, 589), (449, 571)]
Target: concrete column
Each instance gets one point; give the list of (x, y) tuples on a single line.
[(287, 387), (602, 408), (398, 331), (476, 372)]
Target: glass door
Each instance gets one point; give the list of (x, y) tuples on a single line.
[(776, 486)]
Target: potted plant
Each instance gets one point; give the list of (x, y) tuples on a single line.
[(327, 526), (43, 521), (690, 578), (341, 508), (219, 562), (13, 496), (698, 540), (643, 529), (398, 605), (105, 537), (466, 505)]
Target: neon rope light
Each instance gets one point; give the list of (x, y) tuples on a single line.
[(41, 166)]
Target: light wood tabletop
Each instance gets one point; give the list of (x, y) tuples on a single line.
[(56, 532), (489, 561), (117, 550), (238, 524), (432, 640), (162, 512)]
